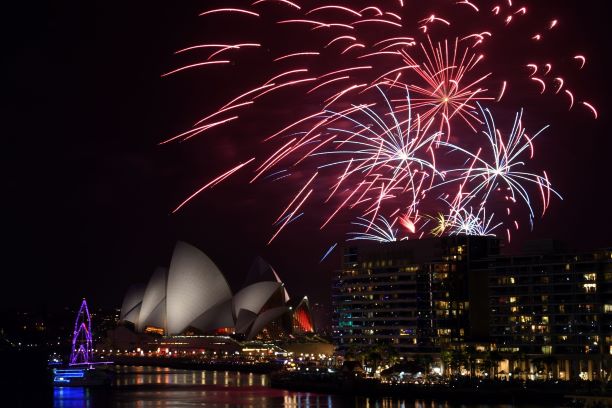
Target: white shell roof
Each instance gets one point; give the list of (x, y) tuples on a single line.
[(154, 297), (195, 284), (265, 318), (131, 301), (255, 296), (219, 316), (262, 271)]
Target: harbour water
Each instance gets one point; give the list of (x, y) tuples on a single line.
[(143, 387)]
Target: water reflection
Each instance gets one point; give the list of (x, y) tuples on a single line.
[(71, 397), (164, 387), (143, 387), (132, 376)]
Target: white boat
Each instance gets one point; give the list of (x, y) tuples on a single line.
[(82, 371), (81, 377)]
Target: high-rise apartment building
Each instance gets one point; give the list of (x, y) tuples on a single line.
[(547, 312), (418, 295), (548, 302)]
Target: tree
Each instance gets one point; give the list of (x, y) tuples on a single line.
[(390, 354), (351, 352), (471, 357), (453, 360), (545, 364), (514, 358), (538, 363), (495, 357), (425, 361), (446, 357), (374, 356), (549, 363)]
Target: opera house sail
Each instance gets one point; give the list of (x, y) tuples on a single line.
[(153, 308), (130, 308), (195, 284)]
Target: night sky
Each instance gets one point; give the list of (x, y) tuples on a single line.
[(88, 192)]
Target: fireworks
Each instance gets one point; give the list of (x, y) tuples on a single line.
[(446, 95), (391, 127), (467, 222), (380, 231), (500, 170)]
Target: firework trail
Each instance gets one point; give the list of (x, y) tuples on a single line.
[(389, 94), (329, 251), (468, 222), (445, 94), (500, 168), (381, 231)]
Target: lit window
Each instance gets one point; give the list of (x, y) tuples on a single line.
[(512, 299), (590, 287), (608, 308), (590, 276)]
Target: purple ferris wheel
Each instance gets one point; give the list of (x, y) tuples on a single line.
[(82, 344)]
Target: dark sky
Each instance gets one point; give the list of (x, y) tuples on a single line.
[(88, 193)]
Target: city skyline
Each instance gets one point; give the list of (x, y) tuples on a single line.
[(92, 193)]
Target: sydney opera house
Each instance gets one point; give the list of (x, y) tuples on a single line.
[(193, 296)]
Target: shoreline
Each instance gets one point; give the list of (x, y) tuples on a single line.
[(549, 394), (546, 393)]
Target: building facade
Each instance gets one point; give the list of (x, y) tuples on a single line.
[(552, 307), (418, 296), (543, 314)]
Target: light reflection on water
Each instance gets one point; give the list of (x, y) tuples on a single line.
[(132, 376), (143, 387), (71, 397)]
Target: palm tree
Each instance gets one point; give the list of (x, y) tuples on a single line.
[(351, 352), (514, 358), (425, 361), (538, 363), (549, 363), (493, 357), (472, 356), (374, 356), (453, 360), (390, 354), (446, 357)]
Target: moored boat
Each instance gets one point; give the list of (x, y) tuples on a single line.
[(81, 377), (81, 371)]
